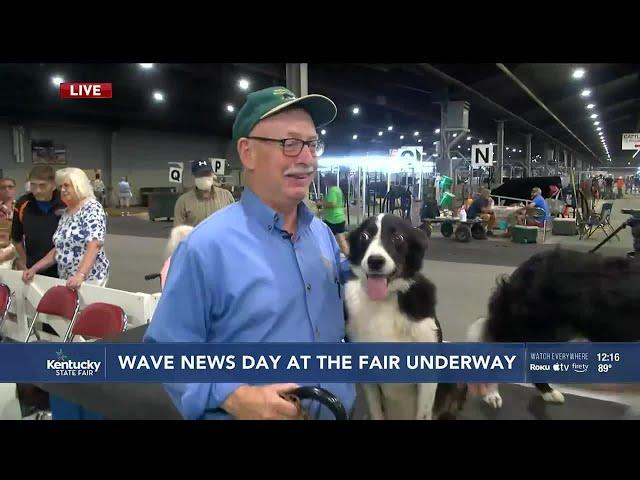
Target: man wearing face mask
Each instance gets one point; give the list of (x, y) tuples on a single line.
[(206, 198)]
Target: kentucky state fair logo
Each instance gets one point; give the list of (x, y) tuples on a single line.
[(63, 366)]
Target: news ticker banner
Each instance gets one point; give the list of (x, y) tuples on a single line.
[(320, 362)]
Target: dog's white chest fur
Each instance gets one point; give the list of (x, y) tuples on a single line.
[(383, 321)]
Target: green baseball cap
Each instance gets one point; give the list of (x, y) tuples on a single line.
[(269, 101)]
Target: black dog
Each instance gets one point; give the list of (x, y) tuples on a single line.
[(560, 296)]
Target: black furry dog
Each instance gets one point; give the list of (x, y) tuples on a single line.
[(560, 296), (389, 300)]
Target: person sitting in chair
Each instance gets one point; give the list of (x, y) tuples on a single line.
[(482, 207), (524, 216)]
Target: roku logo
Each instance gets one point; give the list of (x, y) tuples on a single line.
[(85, 90)]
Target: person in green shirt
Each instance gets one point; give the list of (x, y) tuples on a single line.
[(333, 212)]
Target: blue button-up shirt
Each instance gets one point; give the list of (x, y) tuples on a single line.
[(239, 277)]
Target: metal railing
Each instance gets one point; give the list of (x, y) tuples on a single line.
[(501, 197)]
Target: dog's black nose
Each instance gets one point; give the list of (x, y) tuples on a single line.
[(375, 262)]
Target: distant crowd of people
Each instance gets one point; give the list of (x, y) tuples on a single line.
[(602, 188), (58, 228)]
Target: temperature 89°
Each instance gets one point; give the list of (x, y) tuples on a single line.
[(609, 357)]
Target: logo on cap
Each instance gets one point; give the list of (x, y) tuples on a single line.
[(202, 163), (284, 93)]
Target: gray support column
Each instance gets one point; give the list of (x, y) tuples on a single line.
[(528, 153), (499, 166), (548, 159), (112, 159), (444, 141), (297, 78)]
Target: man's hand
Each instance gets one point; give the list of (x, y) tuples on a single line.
[(261, 403)]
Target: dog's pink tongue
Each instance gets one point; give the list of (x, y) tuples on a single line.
[(377, 288)]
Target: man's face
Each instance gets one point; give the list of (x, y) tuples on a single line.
[(7, 191), (42, 189), (283, 178)]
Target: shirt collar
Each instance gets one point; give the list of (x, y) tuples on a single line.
[(267, 216)]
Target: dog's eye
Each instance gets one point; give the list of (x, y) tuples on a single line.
[(398, 239), (364, 236)]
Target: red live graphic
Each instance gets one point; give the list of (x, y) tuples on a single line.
[(85, 90)]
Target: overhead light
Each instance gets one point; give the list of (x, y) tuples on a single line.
[(230, 108), (509, 156), (596, 123), (356, 110), (380, 133), (57, 80), (599, 128), (435, 143), (481, 141), (323, 132), (146, 66), (419, 140), (585, 93), (578, 73), (401, 137), (591, 105), (437, 130), (468, 149), (159, 97), (455, 135), (506, 148), (594, 115), (514, 149), (468, 138), (243, 84), (416, 133), (389, 128), (355, 136), (519, 151)]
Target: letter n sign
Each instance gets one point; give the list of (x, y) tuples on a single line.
[(482, 155)]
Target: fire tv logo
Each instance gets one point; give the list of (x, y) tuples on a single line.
[(85, 90)]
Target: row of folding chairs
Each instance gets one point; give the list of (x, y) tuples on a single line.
[(95, 321)]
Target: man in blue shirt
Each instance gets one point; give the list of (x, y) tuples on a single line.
[(525, 216), (263, 269)]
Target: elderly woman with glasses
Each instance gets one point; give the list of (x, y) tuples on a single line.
[(79, 240)]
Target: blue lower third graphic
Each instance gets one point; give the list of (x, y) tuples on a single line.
[(320, 362)]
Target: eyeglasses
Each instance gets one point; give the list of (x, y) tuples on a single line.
[(292, 147)]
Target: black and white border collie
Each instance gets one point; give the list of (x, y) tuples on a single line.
[(388, 300), (561, 296)]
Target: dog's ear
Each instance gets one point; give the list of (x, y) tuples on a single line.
[(421, 239), (352, 241), (418, 241)]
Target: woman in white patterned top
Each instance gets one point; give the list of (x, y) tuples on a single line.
[(79, 240)]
